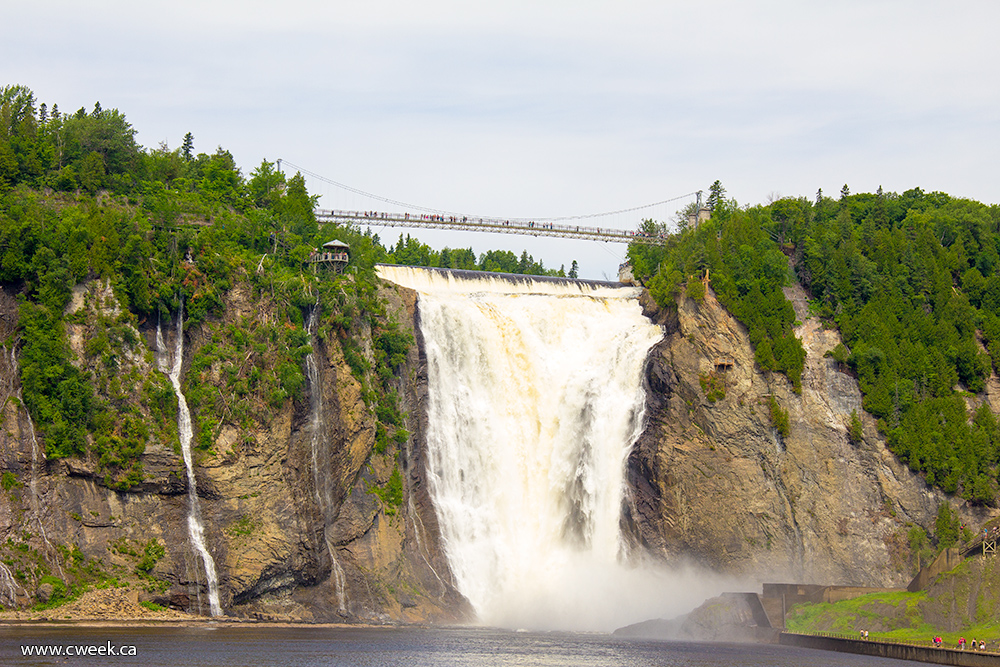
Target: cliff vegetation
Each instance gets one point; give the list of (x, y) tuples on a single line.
[(912, 283)]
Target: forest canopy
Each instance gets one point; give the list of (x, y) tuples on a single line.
[(912, 282), (166, 229)]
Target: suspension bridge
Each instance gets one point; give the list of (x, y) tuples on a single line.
[(421, 217), (496, 225)]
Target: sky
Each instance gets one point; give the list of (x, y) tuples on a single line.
[(540, 109)]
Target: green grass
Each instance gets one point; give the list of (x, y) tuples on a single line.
[(898, 613)]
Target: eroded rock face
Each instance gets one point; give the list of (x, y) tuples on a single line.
[(710, 480), (283, 549), (714, 481)]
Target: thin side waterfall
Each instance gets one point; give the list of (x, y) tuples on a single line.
[(36, 503), (535, 401), (321, 483), (196, 529), (11, 385), (8, 586)]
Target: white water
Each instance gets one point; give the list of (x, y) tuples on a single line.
[(8, 586), (321, 483), (51, 553), (196, 529), (535, 400)]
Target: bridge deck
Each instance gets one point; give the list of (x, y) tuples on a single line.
[(494, 225)]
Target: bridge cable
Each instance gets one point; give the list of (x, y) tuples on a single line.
[(425, 209)]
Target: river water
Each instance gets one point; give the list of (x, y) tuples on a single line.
[(227, 646)]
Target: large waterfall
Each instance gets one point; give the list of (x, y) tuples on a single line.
[(535, 400)]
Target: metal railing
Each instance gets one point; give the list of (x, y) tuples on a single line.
[(992, 646), (496, 225)]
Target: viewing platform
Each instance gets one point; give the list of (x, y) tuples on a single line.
[(333, 255)]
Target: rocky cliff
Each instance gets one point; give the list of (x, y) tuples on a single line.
[(295, 510), (309, 516), (715, 480)]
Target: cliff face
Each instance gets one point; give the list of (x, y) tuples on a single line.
[(714, 480), (295, 507), (291, 511)]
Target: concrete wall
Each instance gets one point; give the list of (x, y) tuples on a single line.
[(775, 610), (946, 560), (938, 656)]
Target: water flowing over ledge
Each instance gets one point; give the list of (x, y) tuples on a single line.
[(535, 398), (196, 529), (458, 281)]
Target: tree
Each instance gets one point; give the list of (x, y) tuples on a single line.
[(574, 270), (92, 172), (265, 185), (716, 195), (856, 430), (187, 148), (297, 205)]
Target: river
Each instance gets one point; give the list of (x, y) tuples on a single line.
[(223, 645)]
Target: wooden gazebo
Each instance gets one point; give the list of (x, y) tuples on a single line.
[(332, 255)]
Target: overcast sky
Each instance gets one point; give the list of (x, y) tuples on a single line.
[(542, 109)]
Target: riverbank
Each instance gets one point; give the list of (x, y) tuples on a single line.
[(119, 607), (930, 654)]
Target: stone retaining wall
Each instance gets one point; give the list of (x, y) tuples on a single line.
[(938, 656)]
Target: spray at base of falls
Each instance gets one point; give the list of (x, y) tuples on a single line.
[(535, 401), (321, 483), (196, 529)]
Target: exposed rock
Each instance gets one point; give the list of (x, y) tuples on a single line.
[(727, 618), (44, 593), (294, 539), (714, 480), (279, 552)]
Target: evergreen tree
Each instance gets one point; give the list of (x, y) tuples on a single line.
[(716, 195)]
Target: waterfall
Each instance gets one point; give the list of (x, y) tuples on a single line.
[(321, 483), (196, 529), (8, 586), (11, 385), (535, 398), (36, 503)]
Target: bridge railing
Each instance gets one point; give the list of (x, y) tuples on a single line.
[(499, 224)]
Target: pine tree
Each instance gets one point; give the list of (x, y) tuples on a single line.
[(187, 148), (717, 195)]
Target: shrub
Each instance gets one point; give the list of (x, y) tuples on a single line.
[(779, 417)]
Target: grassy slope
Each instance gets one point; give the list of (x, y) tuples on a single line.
[(961, 603)]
